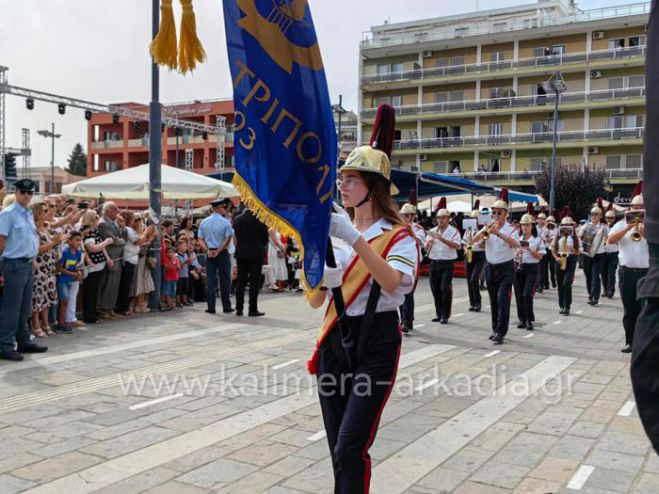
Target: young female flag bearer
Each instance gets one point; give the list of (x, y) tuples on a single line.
[(376, 256)]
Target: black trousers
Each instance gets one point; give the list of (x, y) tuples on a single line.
[(592, 267), (474, 269), (526, 277), (90, 296), (632, 306), (352, 404), (609, 268), (441, 286), (218, 267), (545, 262), (123, 300), (552, 270), (565, 280), (499, 278), (248, 268)]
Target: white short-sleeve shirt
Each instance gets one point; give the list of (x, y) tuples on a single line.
[(631, 254), (402, 256), (498, 251), (439, 250), (535, 244)]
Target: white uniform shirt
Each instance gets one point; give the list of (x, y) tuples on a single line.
[(631, 254), (420, 233), (478, 247), (564, 245), (439, 250), (498, 251), (549, 236), (402, 257), (600, 248), (610, 248), (524, 256)]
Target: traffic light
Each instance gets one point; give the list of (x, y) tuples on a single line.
[(10, 165), (61, 108), (29, 103)]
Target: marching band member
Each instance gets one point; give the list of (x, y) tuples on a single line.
[(376, 265), (541, 227), (474, 262), (551, 233), (442, 243), (531, 250), (610, 265), (408, 212), (593, 240), (565, 251), (500, 246), (634, 258)]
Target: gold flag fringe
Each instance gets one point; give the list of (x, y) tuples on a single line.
[(163, 46), (272, 220), (190, 50)]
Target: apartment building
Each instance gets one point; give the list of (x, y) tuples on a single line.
[(471, 98), (116, 143)]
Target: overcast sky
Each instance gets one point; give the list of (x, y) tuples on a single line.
[(98, 51)]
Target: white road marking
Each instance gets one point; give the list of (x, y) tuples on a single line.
[(458, 315), (492, 353), (579, 312), (402, 470), (149, 403), (317, 436), (579, 479), (418, 326), (627, 409), (556, 323), (285, 364), (426, 385), (530, 335)]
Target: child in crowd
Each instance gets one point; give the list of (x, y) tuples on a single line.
[(172, 266), (183, 285), (69, 271)]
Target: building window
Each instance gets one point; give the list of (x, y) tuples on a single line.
[(495, 130), (457, 61), (538, 164), (457, 96), (616, 82), (613, 162), (497, 56), (442, 62), (396, 101), (558, 50), (383, 69), (440, 167), (637, 41), (634, 161), (636, 81), (455, 166), (442, 97), (616, 43), (396, 68)]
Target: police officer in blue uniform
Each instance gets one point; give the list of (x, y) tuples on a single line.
[(19, 245), (215, 234)]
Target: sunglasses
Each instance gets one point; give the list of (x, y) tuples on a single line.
[(499, 213), (26, 192)]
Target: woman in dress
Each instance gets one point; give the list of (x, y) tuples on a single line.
[(97, 258), (44, 294), (277, 260), (376, 263), (143, 283)]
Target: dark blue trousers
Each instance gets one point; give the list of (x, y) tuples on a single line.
[(352, 403), (499, 279), (441, 286), (16, 303), (218, 267), (565, 280), (526, 277), (407, 310), (593, 270), (609, 268), (474, 269)]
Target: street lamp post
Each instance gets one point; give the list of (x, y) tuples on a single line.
[(556, 84), (340, 110), (51, 134)]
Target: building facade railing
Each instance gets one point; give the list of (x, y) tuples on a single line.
[(514, 102), (417, 34), (522, 63), (532, 138), (617, 173)]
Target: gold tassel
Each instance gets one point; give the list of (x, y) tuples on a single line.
[(163, 47), (190, 50)]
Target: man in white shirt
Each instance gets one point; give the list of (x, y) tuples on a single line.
[(634, 260), (500, 246), (593, 240), (543, 279), (610, 265), (442, 243), (408, 212)]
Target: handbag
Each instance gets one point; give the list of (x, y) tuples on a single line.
[(151, 262)]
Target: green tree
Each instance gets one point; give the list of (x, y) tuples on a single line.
[(77, 161), (575, 186)]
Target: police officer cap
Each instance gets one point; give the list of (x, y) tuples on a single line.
[(220, 203), (25, 185)]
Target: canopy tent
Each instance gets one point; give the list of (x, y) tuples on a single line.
[(133, 184), (461, 203)]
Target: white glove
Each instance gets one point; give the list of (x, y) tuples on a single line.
[(341, 227), (333, 277)]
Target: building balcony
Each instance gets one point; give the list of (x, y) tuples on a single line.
[(508, 68), (567, 139), (518, 176), (99, 145), (422, 34), (519, 104)]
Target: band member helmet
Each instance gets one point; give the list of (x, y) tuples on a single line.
[(527, 219), (502, 201), (408, 209), (566, 217), (637, 194)]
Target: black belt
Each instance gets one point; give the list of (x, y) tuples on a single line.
[(21, 259), (501, 264), (443, 260), (635, 270)]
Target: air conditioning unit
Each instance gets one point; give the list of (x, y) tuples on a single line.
[(619, 110), (505, 153), (427, 54), (593, 150), (598, 34), (595, 74), (423, 157)]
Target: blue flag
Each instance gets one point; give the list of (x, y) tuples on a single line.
[(285, 140)]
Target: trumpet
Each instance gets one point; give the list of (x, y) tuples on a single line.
[(486, 231), (636, 218)]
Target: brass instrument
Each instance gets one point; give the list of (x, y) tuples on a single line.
[(565, 231), (486, 231), (519, 254), (636, 218), (469, 249), (563, 254)]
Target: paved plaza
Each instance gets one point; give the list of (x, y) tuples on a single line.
[(187, 403)]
